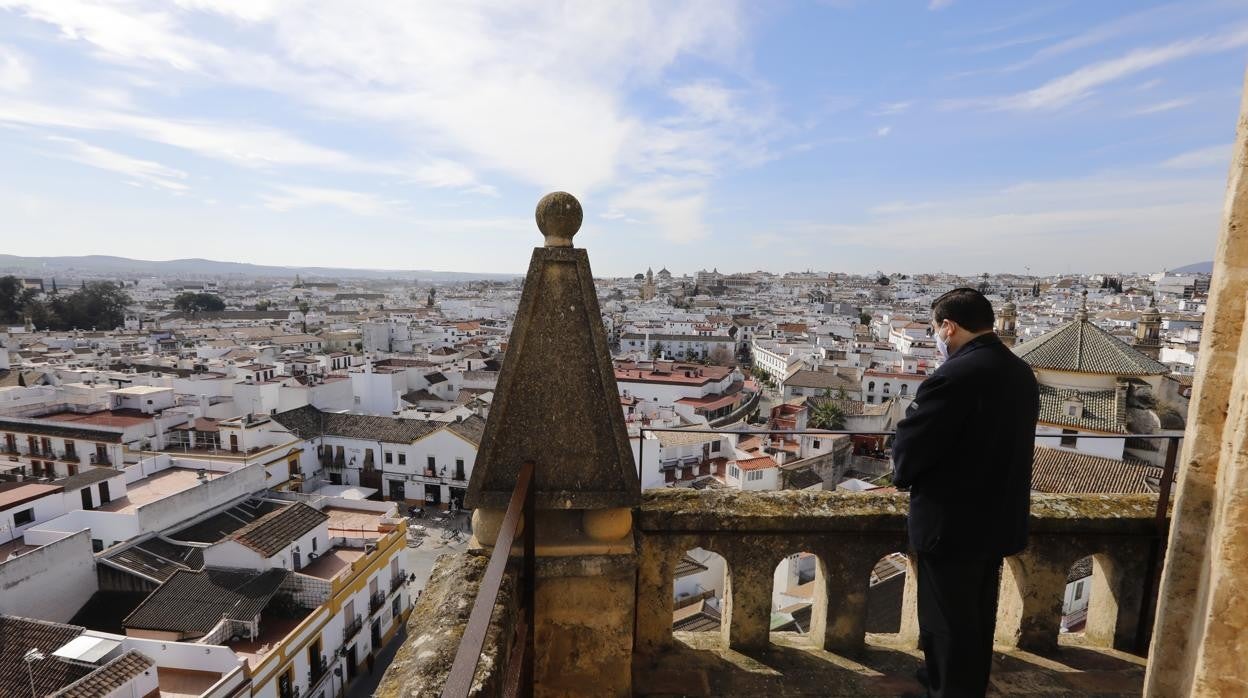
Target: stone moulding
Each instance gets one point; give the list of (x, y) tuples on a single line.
[(686, 510)]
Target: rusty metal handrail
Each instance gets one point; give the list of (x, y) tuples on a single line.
[(459, 680)]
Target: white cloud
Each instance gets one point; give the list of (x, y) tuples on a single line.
[(1079, 84), (1212, 156), (890, 108), (1167, 105), (900, 206), (14, 69), (141, 171), (1137, 22), (674, 207), (1110, 220), (539, 94), (938, 4), (242, 144), (883, 131), (359, 203), (121, 31)]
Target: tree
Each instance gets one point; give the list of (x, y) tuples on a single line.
[(100, 304), (720, 356), (191, 302), (263, 304), (10, 300), (827, 415), (864, 318), (883, 281), (656, 351)]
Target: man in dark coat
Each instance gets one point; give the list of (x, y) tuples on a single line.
[(964, 450)]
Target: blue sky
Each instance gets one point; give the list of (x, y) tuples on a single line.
[(842, 135)]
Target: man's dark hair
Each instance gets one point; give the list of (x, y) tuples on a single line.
[(965, 306)]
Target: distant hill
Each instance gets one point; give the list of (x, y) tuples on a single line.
[(95, 265), (1197, 268)]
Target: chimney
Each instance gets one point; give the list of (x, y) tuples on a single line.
[(1120, 400)]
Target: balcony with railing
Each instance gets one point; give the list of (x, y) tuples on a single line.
[(376, 601), (352, 628), (568, 587)]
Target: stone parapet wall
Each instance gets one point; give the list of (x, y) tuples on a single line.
[(436, 626), (849, 533)]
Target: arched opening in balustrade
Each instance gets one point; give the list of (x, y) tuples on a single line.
[(794, 593), (885, 594), (698, 588), (1101, 602), (1076, 597)]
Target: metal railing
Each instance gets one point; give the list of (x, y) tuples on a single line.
[(1152, 578), (352, 628), (519, 678), (376, 601)]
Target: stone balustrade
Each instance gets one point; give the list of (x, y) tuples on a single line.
[(849, 533)]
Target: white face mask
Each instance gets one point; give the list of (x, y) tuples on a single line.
[(942, 345)]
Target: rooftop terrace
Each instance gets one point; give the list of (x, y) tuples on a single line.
[(153, 487)]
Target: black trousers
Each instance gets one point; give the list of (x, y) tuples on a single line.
[(957, 619)]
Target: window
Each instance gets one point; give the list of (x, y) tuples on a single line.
[(715, 447), (24, 517), (1072, 411), (815, 444), (871, 386), (97, 545), (432, 463), (286, 683), (734, 471), (402, 459), (1068, 439), (389, 457), (755, 475), (459, 468), (1078, 590)]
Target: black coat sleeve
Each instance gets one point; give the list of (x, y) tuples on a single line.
[(931, 429)]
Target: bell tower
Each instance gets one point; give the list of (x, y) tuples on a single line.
[(1148, 331), (1007, 322)]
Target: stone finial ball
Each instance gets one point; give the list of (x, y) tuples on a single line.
[(559, 216)]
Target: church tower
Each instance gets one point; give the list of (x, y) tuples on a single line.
[(1148, 331), (1007, 322)]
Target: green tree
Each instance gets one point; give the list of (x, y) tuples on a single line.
[(191, 302), (11, 300), (864, 318), (827, 415), (263, 305), (656, 351), (99, 304)]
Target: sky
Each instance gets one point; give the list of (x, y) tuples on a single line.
[(843, 135)]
